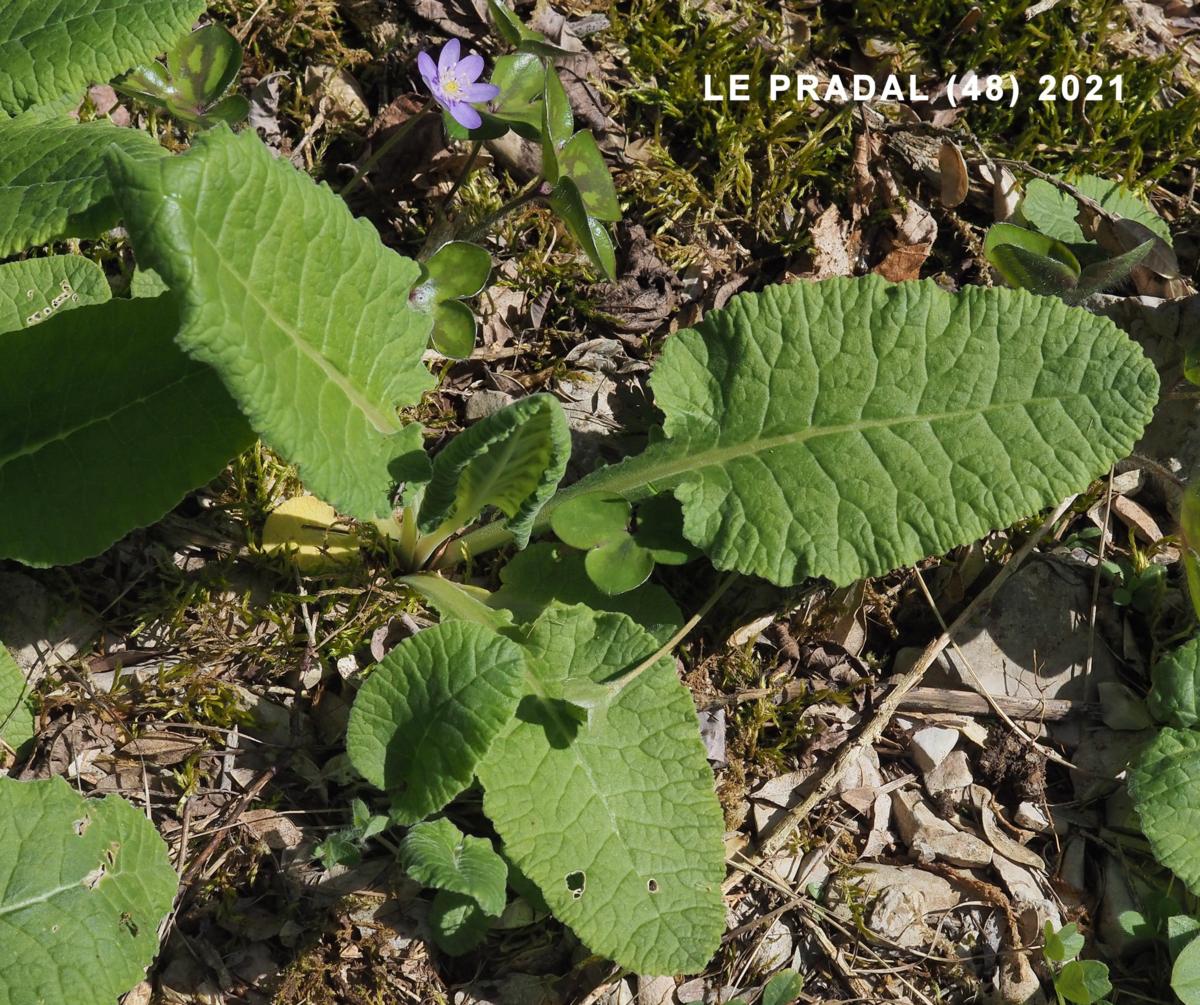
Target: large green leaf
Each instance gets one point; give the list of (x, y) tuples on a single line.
[(436, 853), (430, 710), (84, 885), (53, 181), (104, 426), (1054, 212), (48, 50), (298, 305), (513, 460), (16, 710), (847, 427), (1173, 696), (615, 819), (1164, 782), (36, 289)]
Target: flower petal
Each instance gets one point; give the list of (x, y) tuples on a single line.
[(449, 57), (475, 93), (428, 69), (470, 68), (464, 114)]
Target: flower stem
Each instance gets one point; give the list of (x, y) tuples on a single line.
[(383, 148)]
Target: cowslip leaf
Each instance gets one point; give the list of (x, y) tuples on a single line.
[(48, 50), (847, 427), (1054, 213), (1175, 678), (298, 306), (53, 180), (1164, 782), (36, 289), (513, 460), (546, 572), (619, 827), (430, 710), (136, 425), (458, 601), (16, 711), (84, 884), (457, 923), (436, 853), (1185, 974)]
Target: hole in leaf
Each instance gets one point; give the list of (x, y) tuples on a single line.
[(652, 885), (92, 879), (576, 882), (80, 826)]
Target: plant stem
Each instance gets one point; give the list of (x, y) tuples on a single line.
[(462, 177), (383, 148), (532, 192), (615, 687)]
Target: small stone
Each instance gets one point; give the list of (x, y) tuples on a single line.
[(931, 745), (954, 847), (953, 773), (1031, 817), (777, 946)]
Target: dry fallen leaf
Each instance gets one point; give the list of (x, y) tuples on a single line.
[(956, 183)]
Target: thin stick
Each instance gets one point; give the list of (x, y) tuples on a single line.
[(383, 148), (775, 837)]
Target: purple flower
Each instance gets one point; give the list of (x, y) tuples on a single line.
[(452, 82)]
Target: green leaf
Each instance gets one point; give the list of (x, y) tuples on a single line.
[(619, 566), (508, 25), (620, 827), (1103, 275), (513, 460), (1053, 212), (51, 50), (1175, 680), (457, 923), (1185, 974), (559, 119), (458, 269), (521, 78), (660, 531), (1031, 261), (546, 572), (36, 289), (53, 181), (84, 885), (1063, 945), (1181, 929), (847, 427), (430, 710), (1083, 981), (17, 718), (589, 521), (297, 304), (454, 329), (581, 161), (783, 989), (458, 600), (135, 426), (438, 854), (203, 64), (589, 233), (1164, 783)]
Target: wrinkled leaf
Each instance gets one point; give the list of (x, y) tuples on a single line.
[(53, 180), (297, 304), (438, 854), (1185, 974), (1054, 212), (36, 289), (49, 50), (429, 711), (84, 884), (847, 427), (512, 460), (17, 717), (1164, 782), (1175, 681), (615, 819), (457, 923), (135, 426)]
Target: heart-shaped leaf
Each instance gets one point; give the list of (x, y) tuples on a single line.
[(430, 711), (1054, 212), (521, 78), (438, 854), (298, 305)]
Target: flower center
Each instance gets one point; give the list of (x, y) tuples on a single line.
[(452, 87)]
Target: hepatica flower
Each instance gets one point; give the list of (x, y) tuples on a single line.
[(453, 82)]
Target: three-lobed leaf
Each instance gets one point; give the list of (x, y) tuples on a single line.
[(1164, 783), (294, 302), (436, 853), (846, 427), (53, 180), (84, 885), (136, 424), (49, 50), (614, 818), (430, 711)]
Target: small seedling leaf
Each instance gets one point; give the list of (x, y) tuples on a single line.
[(438, 854)]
